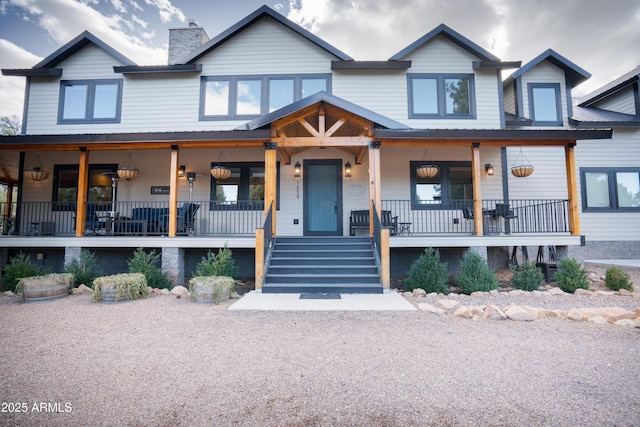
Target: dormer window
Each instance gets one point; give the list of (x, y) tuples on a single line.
[(545, 106), (441, 96), (90, 101)]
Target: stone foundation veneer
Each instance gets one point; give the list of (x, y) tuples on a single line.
[(173, 265)]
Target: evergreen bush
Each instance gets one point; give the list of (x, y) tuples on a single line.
[(428, 273), (19, 266), (616, 278), (475, 274), (84, 268), (147, 264), (528, 277), (571, 275), (220, 264)]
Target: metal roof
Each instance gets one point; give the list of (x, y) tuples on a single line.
[(455, 37), (374, 117), (511, 120), (251, 19), (596, 117), (495, 134), (575, 74), (620, 83)]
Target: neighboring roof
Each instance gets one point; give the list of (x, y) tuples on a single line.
[(151, 69), (455, 37), (575, 74), (596, 117), (374, 117), (618, 84), (75, 45), (511, 120), (495, 134), (370, 65), (262, 12)]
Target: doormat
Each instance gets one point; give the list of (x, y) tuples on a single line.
[(319, 296)]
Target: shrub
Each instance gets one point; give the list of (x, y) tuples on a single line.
[(616, 278), (571, 275), (528, 277), (84, 268), (220, 264), (428, 273), (475, 274), (19, 266), (147, 264), (127, 285)]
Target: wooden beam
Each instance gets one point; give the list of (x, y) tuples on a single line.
[(285, 155), (309, 128), (359, 157), (477, 188), (344, 141), (337, 125), (173, 192), (83, 189), (322, 127), (572, 190), (270, 180)]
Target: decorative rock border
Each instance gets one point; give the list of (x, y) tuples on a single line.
[(597, 315)]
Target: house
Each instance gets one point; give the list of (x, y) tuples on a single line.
[(269, 140)]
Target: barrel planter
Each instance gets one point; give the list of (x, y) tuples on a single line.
[(211, 289), (45, 288), (119, 288)]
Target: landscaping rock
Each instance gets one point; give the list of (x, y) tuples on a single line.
[(492, 312), (407, 294), (625, 292), (605, 293), (556, 291), (625, 322), (477, 294), (548, 313), (180, 291), (419, 292), (517, 313), (430, 308), (157, 291), (478, 310), (164, 291), (448, 304), (463, 311), (494, 292), (610, 314), (83, 289), (598, 320), (8, 293), (581, 291), (515, 293)]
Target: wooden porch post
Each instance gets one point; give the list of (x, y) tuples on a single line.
[(572, 189), (477, 188), (270, 179), (374, 182), (173, 192), (83, 187)]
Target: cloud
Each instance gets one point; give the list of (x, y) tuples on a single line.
[(119, 6), (166, 10), (139, 21), (12, 88)]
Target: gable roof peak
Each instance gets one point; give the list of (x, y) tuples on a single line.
[(575, 74), (77, 43), (453, 36), (611, 88), (261, 12)]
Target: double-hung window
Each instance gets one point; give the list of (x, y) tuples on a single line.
[(441, 96), (610, 189), (65, 185), (240, 97), (90, 101), (451, 187), (545, 107), (244, 189)]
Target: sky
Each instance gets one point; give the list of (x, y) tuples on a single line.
[(601, 36)]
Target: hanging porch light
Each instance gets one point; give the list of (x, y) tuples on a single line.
[(219, 171), (35, 173), (128, 170), (427, 169), (522, 167)]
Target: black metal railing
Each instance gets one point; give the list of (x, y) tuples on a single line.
[(377, 232), (456, 217), (268, 233)]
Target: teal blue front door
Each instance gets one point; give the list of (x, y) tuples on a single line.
[(322, 189)]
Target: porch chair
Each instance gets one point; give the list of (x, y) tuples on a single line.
[(504, 210), (92, 223), (186, 218)]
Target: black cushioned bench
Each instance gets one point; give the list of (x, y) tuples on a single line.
[(360, 219)]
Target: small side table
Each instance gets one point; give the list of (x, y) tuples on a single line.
[(405, 227)]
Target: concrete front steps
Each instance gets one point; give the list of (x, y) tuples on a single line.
[(322, 265)]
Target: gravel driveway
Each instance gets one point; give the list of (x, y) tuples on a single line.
[(168, 362)]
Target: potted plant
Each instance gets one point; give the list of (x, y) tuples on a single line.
[(211, 289), (119, 287), (43, 288)]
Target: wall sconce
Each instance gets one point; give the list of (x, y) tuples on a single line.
[(296, 170), (347, 170), (181, 171), (488, 169)]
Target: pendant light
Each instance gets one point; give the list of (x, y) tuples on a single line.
[(35, 173), (219, 171), (427, 169), (128, 170), (522, 167)]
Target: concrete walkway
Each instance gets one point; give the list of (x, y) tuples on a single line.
[(390, 301)]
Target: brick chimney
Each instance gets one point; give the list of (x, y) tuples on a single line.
[(183, 41)]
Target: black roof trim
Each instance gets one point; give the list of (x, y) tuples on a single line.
[(592, 116), (215, 135), (372, 116), (262, 12), (370, 65), (496, 134), (151, 69), (511, 120), (575, 74), (32, 72), (620, 83), (75, 45), (455, 37), (496, 65)]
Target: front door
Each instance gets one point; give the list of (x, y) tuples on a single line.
[(322, 181)]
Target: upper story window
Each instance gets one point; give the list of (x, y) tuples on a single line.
[(452, 184), (606, 189), (243, 97), (545, 107), (441, 96), (90, 101)]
